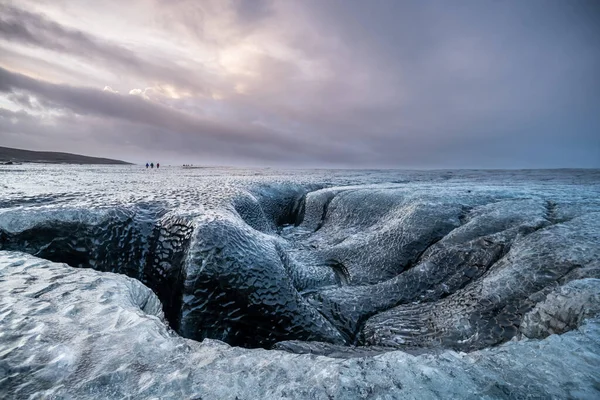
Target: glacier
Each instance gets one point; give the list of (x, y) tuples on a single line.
[(223, 283)]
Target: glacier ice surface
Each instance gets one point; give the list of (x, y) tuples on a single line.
[(386, 284)]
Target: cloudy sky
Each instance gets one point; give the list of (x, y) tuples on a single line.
[(408, 84)]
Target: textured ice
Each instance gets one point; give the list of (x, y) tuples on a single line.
[(68, 333), (344, 264), (490, 310)]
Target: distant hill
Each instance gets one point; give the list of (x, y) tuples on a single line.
[(27, 156)]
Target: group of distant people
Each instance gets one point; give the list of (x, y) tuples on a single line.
[(151, 165)]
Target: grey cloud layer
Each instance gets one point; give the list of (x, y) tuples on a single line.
[(349, 83), (37, 30), (160, 121)]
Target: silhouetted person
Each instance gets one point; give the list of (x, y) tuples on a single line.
[(147, 165), (151, 165), (157, 165)]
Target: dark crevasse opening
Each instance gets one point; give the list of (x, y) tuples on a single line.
[(142, 242), (148, 243)]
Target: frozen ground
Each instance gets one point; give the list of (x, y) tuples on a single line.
[(450, 283)]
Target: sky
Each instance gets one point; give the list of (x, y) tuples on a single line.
[(311, 83)]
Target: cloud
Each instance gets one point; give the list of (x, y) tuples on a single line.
[(33, 29), (162, 123), (409, 84), (37, 30), (138, 92)]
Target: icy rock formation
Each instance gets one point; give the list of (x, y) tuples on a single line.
[(237, 289), (460, 257), (73, 333), (312, 261), (490, 309), (563, 309), (221, 273)]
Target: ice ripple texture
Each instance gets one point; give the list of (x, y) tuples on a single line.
[(408, 269)]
